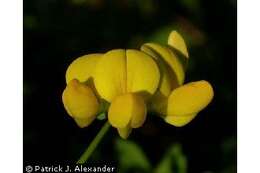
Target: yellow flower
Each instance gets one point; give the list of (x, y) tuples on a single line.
[(178, 104), (79, 97), (132, 82), (126, 79)]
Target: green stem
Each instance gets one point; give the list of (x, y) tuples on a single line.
[(85, 156)]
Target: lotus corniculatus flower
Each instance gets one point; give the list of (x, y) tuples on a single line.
[(129, 83)]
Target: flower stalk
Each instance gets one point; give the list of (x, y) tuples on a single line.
[(93, 145)]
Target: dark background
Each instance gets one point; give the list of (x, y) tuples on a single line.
[(58, 31)]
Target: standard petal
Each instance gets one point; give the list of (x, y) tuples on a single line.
[(127, 110), (168, 82), (82, 68), (79, 100), (187, 100), (170, 58), (143, 74), (110, 74), (176, 41)]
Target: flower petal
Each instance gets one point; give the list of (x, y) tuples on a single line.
[(79, 100), (176, 41), (139, 111), (110, 74), (84, 122), (124, 132), (142, 73), (168, 82), (186, 101), (82, 68), (120, 71), (170, 58), (179, 121), (127, 110)]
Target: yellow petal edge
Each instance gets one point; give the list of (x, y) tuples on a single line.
[(176, 41), (124, 132)]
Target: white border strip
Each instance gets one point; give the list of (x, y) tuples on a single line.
[(11, 137), (248, 86)]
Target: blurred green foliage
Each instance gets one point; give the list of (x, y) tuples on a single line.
[(173, 161), (133, 159)]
